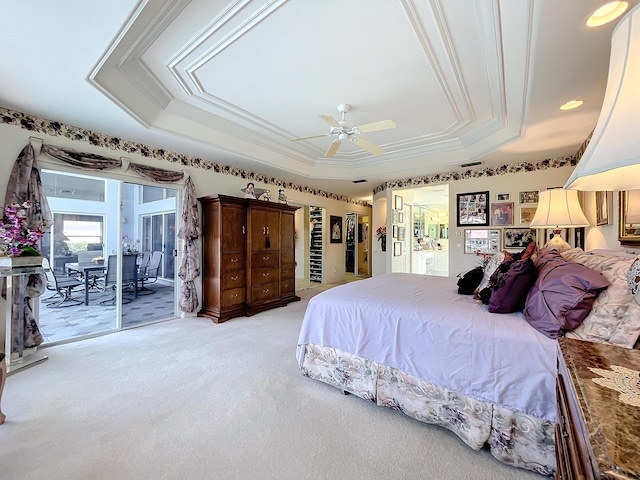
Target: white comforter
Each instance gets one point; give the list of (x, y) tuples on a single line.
[(420, 325)]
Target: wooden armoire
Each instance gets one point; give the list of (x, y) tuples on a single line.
[(248, 259)]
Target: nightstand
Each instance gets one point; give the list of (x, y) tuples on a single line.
[(597, 434)]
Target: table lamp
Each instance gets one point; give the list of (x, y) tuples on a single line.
[(559, 208)]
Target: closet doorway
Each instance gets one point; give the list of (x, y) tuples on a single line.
[(100, 224), (356, 245)]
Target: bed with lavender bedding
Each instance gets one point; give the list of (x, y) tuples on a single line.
[(411, 343)]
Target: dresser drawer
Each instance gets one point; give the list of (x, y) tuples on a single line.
[(232, 261), (268, 291), (288, 258), (287, 271), (233, 279), (287, 286), (235, 296), (264, 275), (264, 259)]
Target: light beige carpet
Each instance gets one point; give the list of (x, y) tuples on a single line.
[(189, 399)]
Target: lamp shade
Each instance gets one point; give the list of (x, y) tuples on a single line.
[(611, 160), (559, 208)]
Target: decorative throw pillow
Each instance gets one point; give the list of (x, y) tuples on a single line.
[(495, 261), (562, 295), (468, 282), (615, 316), (528, 251), (510, 288), (633, 279)]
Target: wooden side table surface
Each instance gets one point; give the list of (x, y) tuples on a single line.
[(603, 389)]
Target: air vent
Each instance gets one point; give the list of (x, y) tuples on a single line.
[(472, 164), (67, 192), (358, 181)]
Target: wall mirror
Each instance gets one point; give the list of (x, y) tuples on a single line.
[(629, 218)]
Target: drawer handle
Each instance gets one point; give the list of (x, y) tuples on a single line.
[(265, 290), (266, 258), (286, 285), (266, 274), (286, 270), (235, 277), (234, 295), (234, 260)]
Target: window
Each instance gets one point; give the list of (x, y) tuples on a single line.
[(76, 187), (154, 194)]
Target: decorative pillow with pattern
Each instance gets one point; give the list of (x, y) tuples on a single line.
[(615, 316), (633, 279), (491, 267)]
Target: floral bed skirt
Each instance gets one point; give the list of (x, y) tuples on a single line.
[(513, 438)]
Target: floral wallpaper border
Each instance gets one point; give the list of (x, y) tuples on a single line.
[(557, 162), (36, 124), (48, 127)]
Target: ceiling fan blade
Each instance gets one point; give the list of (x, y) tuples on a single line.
[(330, 120), (367, 145), (375, 126), (332, 149), (311, 136)]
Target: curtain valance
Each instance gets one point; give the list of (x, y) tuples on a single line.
[(91, 161)]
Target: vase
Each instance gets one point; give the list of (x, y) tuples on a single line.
[(17, 262), (383, 243)]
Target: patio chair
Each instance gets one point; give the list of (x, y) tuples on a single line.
[(63, 286), (129, 277), (150, 274)]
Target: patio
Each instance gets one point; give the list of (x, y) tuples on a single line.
[(68, 322)]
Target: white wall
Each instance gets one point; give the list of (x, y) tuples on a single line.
[(13, 139), (595, 237)]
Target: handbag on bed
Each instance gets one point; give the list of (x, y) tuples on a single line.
[(469, 281)]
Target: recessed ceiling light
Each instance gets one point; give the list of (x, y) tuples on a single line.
[(606, 13), (571, 104)]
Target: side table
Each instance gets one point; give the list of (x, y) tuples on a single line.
[(17, 276)]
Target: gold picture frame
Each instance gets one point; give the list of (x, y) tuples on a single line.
[(628, 222)]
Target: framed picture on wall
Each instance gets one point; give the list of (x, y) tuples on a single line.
[(397, 249), (578, 237), (482, 241), (518, 238), (401, 231), (503, 197), (529, 197), (603, 200), (502, 213), (527, 214), (397, 202), (335, 229), (472, 209), (395, 231)]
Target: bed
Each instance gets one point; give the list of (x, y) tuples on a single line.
[(412, 343)]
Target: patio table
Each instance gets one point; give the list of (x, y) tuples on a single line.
[(85, 268)]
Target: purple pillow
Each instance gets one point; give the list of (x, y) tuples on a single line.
[(562, 295), (510, 288)]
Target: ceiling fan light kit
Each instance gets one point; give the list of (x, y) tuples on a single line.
[(345, 130)]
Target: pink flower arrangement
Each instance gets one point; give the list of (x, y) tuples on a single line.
[(381, 231), (17, 237)]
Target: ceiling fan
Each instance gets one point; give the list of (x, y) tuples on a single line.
[(344, 130)]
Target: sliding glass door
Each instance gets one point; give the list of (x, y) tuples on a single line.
[(100, 280)]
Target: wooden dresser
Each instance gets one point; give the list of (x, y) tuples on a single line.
[(248, 260), (597, 435)]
